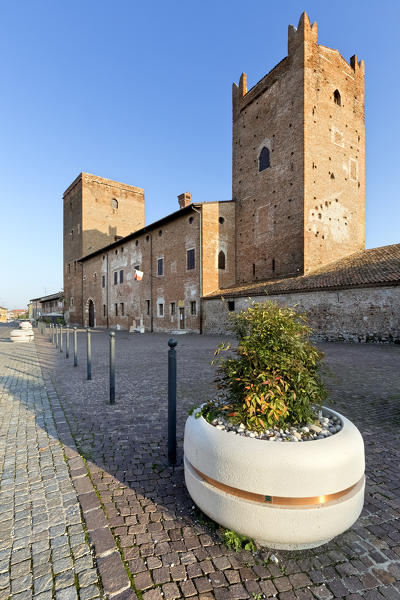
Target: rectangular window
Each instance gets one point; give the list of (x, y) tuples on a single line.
[(104, 310), (116, 309), (121, 277), (190, 259), (147, 307), (172, 307), (231, 305), (193, 308), (122, 309), (71, 301), (115, 277), (160, 266), (161, 309), (103, 281)]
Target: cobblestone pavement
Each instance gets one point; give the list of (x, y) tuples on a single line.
[(150, 541), (44, 551)]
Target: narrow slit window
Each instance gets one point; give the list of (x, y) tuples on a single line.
[(263, 159), (190, 259), (337, 98), (221, 260)]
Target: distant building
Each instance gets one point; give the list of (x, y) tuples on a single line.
[(3, 315), (51, 305)]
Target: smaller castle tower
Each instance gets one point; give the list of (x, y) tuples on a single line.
[(97, 212)]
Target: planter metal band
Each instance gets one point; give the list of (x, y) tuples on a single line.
[(281, 500)]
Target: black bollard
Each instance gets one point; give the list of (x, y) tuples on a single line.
[(112, 367), (61, 338), (172, 401), (75, 349), (89, 355), (67, 343)]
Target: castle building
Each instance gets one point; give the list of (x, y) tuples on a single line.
[(294, 227)]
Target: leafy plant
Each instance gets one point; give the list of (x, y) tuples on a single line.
[(238, 542), (271, 378)]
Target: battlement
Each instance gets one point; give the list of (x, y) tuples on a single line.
[(303, 31)]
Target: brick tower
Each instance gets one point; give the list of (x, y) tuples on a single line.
[(298, 161), (97, 212)]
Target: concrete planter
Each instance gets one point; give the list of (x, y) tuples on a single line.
[(285, 495), (21, 335)]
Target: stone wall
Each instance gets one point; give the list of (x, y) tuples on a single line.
[(353, 315)]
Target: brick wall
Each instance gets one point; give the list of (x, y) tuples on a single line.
[(353, 315)]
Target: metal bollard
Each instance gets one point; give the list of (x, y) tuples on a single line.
[(112, 367), (75, 349), (89, 355), (56, 335), (61, 338), (172, 401), (67, 343), (52, 333)]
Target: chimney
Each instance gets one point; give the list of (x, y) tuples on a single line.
[(184, 199)]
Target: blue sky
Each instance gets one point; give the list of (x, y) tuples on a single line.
[(141, 93)]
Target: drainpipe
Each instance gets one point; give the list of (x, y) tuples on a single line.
[(82, 293), (107, 284), (200, 269), (151, 282)]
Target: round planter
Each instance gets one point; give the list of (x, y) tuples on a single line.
[(21, 335), (285, 495)]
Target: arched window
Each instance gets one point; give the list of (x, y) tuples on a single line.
[(114, 203), (263, 159), (336, 97), (221, 260)]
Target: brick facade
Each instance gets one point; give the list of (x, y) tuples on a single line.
[(178, 256)]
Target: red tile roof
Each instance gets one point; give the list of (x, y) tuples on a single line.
[(367, 268)]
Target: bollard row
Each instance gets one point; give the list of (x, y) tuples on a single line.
[(56, 336)]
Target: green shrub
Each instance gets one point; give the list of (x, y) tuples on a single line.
[(238, 542), (271, 378)]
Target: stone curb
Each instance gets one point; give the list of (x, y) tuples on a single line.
[(114, 578)]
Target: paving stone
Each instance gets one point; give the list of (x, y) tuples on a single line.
[(69, 593), (43, 584), (153, 595), (103, 541), (87, 578), (21, 584), (187, 588), (170, 591), (113, 575)]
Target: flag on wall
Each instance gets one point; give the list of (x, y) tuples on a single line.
[(138, 275)]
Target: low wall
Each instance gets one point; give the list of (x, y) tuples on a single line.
[(352, 315)]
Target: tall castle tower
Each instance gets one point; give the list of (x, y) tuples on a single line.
[(97, 212), (298, 161)]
